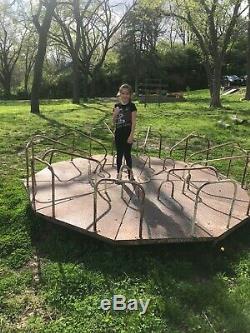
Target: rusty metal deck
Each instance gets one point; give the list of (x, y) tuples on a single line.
[(165, 219)]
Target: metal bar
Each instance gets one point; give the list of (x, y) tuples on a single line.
[(76, 155), (90, 142), (232, 204), (27, 167), (74, 143), (160, 146), (192, 168), (109, 129), (188, 177), (164, 163), (33, 184), (187, 139), (113, 141), (208, 151), (53, 194), (230, 163), (137, 147), (149, 161), (94, 140), (141, 208), (234, 144), (220, 159), (113, 180), (31, 144), (245, 171), (52, 182), (179, 142), (185, 151), (159, 188), (95, 206), (248, 208), (51, 157), (197, 201), (146, 139)]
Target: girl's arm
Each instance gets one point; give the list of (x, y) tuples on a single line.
[(115, 113), (131, 136)]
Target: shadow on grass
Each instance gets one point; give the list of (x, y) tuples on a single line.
[(56, 124), (179, 276), (183, 280)]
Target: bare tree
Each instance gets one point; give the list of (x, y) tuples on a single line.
[(87, 30), (28, 58), (11, 42)]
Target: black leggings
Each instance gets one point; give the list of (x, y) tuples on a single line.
[(123, 148)]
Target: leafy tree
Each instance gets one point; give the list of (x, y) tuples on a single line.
[(140, 34), (11, 43), (87, 31), (212, 24), (247, 97)]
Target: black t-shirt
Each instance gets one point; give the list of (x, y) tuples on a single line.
[(124, 117)]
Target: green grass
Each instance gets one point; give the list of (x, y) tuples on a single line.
[(53, 279)]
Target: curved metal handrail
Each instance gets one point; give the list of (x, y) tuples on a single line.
[(96, 141), (113, 143), (197, 201), (185, 179), (230, 158), (148, 133), (75, 131), (34, 190), (54, 150), (30, 144), (164, 165), (186, 140), (231, 143), (235, 146), (72, 132), (122, 182)]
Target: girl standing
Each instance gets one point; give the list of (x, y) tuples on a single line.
[(124, 119)]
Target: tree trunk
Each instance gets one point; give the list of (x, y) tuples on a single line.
[(209, 77), (92, 92), (136, 85), (94, 78), (7, 86), (41, 52), (214, 82), (85, 86), (26, 83), (247, 96), (76, 83), (216, 86)]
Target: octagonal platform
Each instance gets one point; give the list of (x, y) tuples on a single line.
[(159, 206)]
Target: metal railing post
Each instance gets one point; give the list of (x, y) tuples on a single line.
[(197, 201)]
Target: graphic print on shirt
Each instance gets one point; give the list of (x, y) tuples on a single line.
[(124, 117), (121, 119)]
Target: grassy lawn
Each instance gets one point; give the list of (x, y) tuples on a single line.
[(53, 279)]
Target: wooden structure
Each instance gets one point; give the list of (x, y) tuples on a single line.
[(169, 200), (154, 91)]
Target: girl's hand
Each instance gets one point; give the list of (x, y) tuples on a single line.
[(116, 111), (130, 139)]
